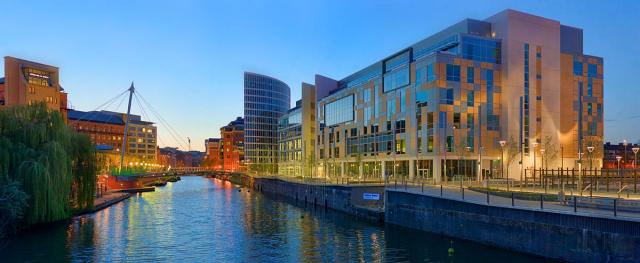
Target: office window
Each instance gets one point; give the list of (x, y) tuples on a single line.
[(403, 100), (442, 119), (590, 87), (470, 95), (401, 147), (431, 75), (453, 72), (430, 143), (592, 70), (456, 119), (446, 96), (421, 98), (339, 111), (429, 121), (400, 126), (420, 76), (589, 109), (469, 74), (391, 107), (577, 68), (449, 143)]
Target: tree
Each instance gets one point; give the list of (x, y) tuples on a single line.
[(55, 166), (511, 153), (550, 152)]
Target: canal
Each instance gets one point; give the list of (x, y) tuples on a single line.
[(208, 220)]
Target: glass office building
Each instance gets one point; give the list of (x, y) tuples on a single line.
[(439, 108), (265, 100)]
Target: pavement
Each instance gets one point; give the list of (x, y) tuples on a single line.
[(455, 193)]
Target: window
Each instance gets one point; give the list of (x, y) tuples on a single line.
[(420, 76), (589, 109), (590, 87), (391, 107), (592, 70), (421, 98), (446, 96), (431, 76), (577, 68), (442, 120), (396, 79), (429, 120), (401, 147), (339, 111), (430, 143), (400, 126), (403, 100), (453, 72), (469, 74), (456, 119), (449, 143), (470, 98)]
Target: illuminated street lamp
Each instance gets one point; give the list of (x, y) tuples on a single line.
[(624, 157), (534, 145), (542, 156), (502, 144), (590, 150), (635, 156), (618, 158)]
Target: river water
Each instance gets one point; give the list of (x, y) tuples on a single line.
[(207, 220)]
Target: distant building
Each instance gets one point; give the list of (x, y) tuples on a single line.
[(213, 155), (296, 136), (105, 130), (627, 157), (171, 156), (27, 82), (265, 100), (232, 145)]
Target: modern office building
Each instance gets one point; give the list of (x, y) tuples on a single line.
[(232, 146), (27, 82), (439, 107), (265, 100), (296, 136)]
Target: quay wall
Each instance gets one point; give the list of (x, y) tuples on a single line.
[(349, 199), (561, 236)]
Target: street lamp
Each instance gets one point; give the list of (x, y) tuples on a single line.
[(502, 144), (534, 145), (635, 156), (624, 143), (590, 150), (618, 158), (542, 156)]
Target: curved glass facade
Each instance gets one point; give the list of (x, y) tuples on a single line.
[(265, 100)]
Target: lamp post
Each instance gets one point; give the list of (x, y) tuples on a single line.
[(635, 156), (465, 163), (502, 144), (580, 172), (618, 158), (542, 168), (624, 156), (534, 145)]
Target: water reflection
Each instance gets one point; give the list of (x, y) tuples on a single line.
[(208, 220)]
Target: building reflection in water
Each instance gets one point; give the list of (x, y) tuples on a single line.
[(208, 220)]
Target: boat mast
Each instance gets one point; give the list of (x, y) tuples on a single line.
[(126, 127)]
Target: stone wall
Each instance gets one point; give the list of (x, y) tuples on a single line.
[(563, 236)]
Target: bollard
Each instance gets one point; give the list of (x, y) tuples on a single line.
[(423, 187), (541, 203), (615, 207), (440, 190), (487, 195), (575, 204), (462, 193), (513, 202)]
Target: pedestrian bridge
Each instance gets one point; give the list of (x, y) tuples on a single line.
[(186, 170)]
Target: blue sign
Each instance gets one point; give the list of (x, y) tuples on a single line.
[(370, 196)]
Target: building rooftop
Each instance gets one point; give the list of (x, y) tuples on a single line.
[(95, 116)]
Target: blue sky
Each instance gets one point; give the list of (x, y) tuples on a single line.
[(188, 57)]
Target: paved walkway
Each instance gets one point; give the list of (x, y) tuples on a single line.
[(455, 193), (108, 199)]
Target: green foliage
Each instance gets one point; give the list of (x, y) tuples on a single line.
[(13, 203), (53, 165)]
